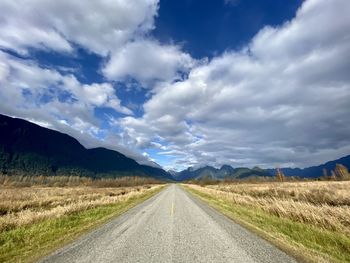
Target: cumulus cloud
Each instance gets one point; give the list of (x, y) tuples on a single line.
[(281, 100), (116, 30), (98, 26), (148, 61), (29, 84)]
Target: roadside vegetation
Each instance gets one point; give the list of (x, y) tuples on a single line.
[(61, 181), (37, 215), (310, 220)]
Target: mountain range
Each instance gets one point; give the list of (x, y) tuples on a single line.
[(314, 171), (226, 171), (27, 148)]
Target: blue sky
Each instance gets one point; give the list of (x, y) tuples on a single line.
[(208, 28), (184, 83)]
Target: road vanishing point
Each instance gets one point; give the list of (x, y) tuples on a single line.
[(172, 226)]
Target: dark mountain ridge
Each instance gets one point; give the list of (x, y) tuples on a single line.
[(314, 171), (226, 171), (27, 147)]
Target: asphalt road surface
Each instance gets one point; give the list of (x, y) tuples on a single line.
[(172, 226)]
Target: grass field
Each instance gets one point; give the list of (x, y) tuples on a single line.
[(35, 220), (310, 220)]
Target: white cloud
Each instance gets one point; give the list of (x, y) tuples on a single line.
[(99, 26), (148, 61), (41, 84), (282, 100), (116, 30)]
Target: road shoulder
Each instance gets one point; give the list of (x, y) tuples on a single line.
[(248, 219)]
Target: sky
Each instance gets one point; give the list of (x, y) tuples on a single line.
[(184, 83)]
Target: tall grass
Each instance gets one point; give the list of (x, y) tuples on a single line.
[(34, 204), (325, 204), (61, 181), (316, 192)]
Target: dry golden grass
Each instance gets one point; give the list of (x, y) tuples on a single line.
[(29, 205), (316, 192), (322, 204), (60, 181)]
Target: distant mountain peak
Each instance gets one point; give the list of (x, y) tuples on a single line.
[(313, 171), (226, 167), (226, 171)]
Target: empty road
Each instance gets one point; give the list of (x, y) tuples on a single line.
[(172, 226)]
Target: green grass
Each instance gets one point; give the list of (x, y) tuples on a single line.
[(29, 243), (305, 242)]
